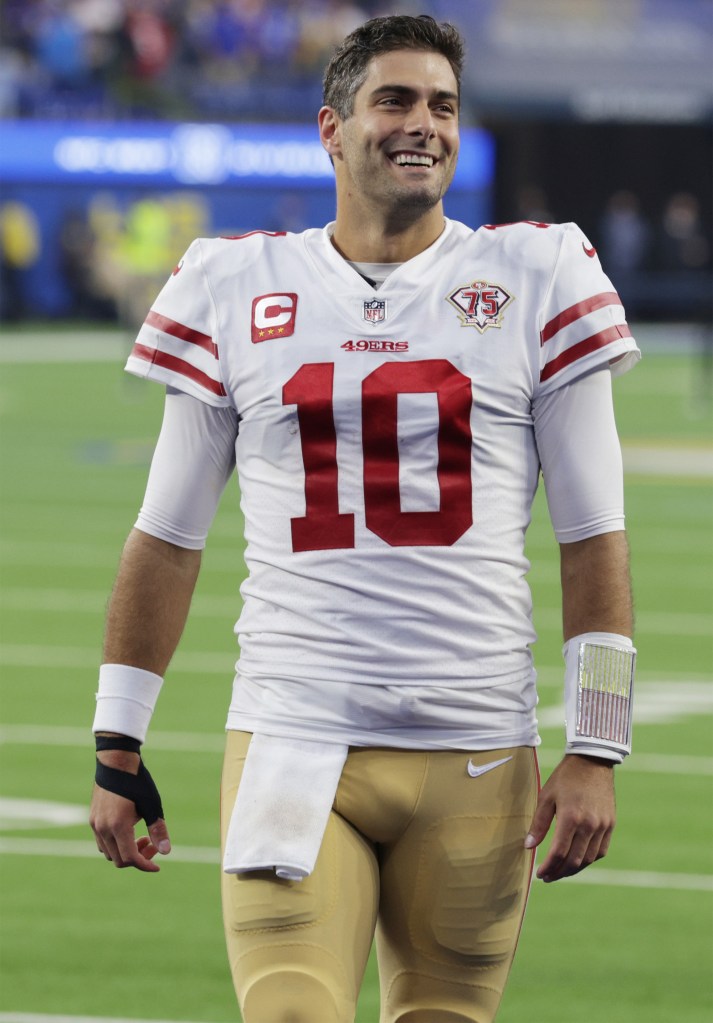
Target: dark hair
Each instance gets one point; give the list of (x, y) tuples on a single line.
[(346, 71)]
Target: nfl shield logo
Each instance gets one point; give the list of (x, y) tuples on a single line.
[(375, 310)]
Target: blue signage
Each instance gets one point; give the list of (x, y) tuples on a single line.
[(191, 155)]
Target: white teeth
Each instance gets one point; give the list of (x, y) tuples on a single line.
[(413, 159)]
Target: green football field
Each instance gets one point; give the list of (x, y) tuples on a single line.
[(628, 941)]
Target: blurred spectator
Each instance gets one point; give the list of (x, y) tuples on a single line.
[(167, 58), (78, 262), (532, 205), (624, 235), (129, 251), (143, 258), (325, 23), (289, 213), (682, 241), (60, 48), (624, 242), (19, 249)]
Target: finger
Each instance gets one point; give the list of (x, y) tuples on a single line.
[(97, 839), (117, 836), (574, 847), (113, 819), (551, 867), (100, 846), (132, 855), (597, 848), (110, 848), (160, 837), (146, 847), (541, 822), (564, 864), (104, 837)]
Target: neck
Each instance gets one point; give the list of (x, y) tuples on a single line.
[(381, 240)]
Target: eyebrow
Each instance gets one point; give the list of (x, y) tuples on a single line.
[(406, 90)]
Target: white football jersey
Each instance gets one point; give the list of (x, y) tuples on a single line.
[(387, 466)]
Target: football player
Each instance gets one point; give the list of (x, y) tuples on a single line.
[(390, 388)]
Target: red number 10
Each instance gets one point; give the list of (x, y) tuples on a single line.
[(324, 527)]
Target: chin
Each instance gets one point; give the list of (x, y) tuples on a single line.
[(419, 199)]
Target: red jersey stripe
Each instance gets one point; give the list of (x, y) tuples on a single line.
[(578, 351), (178, 366), (575, 312), (182, 332), (249, 234)]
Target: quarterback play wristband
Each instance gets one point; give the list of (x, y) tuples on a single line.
[(125, 700), (598, 690)]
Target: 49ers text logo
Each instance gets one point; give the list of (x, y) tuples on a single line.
[(480, 304), (273, 316)]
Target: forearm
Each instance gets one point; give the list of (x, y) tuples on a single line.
[(150, 602), (596, 586)]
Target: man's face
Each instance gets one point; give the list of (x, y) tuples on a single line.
[(400, 146)]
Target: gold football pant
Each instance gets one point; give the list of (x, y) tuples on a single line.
[(418, 852)]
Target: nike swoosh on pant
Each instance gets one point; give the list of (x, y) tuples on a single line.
[(475, 771)]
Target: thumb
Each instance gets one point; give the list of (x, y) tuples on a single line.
[(541, 821), (158, 833)]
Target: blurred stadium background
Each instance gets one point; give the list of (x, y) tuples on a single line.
[(126, 129)]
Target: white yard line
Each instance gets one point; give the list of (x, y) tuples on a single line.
[(67, 735), (670, 461), (197, 742), (41, 1017), (663, 623), (77, 849), (60, 601), (223, 559), (23, 656), (71, 601), (644, 763), (201, 855), (645, 879)]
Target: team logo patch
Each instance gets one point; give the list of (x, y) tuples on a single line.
[(273, 316), (177, 269), (480, 304), (375, 310)]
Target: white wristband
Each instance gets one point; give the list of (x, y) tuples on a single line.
[(125, 700), (598, 694)]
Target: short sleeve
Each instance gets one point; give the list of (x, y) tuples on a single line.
[(176, 345), (582, 321)]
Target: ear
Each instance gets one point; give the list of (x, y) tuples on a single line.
[(330, 131)]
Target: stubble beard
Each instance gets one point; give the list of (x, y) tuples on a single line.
[(402, 202)]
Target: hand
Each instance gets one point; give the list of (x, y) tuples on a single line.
[(580, 793), (113, 819)]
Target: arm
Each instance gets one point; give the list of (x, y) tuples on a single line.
[(596, 587), (596, 597), (147, 613), (581, 462), (194, 457), (150, 601)]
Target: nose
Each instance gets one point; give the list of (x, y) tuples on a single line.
[(420, 121)]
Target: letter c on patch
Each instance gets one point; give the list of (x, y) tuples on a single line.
[(273, 316)]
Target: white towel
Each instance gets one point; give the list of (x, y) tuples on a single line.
[(283, 804)]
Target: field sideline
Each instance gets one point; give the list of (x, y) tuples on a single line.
[(630, 940)]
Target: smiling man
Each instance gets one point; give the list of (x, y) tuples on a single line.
[(394, 146), (390, 388)]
